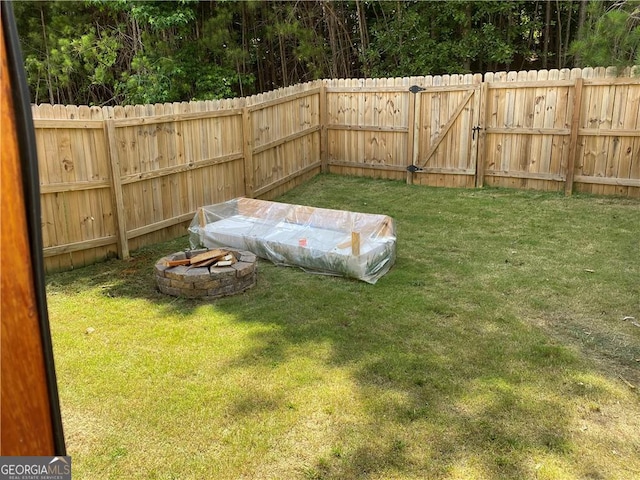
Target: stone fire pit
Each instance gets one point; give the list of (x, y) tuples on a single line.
[(210, 282)]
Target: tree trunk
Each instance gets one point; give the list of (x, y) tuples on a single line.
[(547, 30), (567, 37), (328, 20), (466, 30), (582, 17), (283, 61), (46, 49), (364, 37), (582, 14), (558, 37)]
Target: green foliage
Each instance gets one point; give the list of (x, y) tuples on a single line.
[(161, 16), (449, 37), (126, 51), (149, 82), (610, 37), (165, 80)]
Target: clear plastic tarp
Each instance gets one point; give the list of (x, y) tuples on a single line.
[(319, 240)]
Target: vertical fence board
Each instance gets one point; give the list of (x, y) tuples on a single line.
[(324, 120), (482, 135), (630, 154), (582, 160), (519, 159), (247, 148), (49, 234), (528, 160), (116, 187), (412, 148), (548, 164), (573, 140)]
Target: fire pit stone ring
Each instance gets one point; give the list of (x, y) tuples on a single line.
[(176, 276)]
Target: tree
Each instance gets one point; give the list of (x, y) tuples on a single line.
[(610, 35), (419, 38), (69, 53), (126, 51)]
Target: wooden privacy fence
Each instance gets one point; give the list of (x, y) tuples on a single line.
[(115, 179), (548, 130)]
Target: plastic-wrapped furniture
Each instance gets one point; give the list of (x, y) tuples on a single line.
[(319, 240)]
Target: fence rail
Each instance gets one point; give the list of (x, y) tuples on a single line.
[(117, 178)]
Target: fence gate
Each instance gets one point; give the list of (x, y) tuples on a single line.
[(446, 128)]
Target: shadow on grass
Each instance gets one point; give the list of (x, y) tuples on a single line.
[(440, 390), (131, 278), (444, 378)]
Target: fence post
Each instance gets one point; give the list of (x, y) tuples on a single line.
[(247, 150), (482, 134), (573, 139), (116, 188), (324, 139), (413, 127)]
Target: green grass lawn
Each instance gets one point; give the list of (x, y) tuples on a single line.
[(496, 347)]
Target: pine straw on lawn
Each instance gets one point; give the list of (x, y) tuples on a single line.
[(497, 347)]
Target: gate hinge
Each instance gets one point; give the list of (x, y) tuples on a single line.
[(416, 89)]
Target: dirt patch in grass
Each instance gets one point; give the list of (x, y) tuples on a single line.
[(612, 345)]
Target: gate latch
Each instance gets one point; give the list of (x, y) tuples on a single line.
[(475, 129), (416, 89)]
